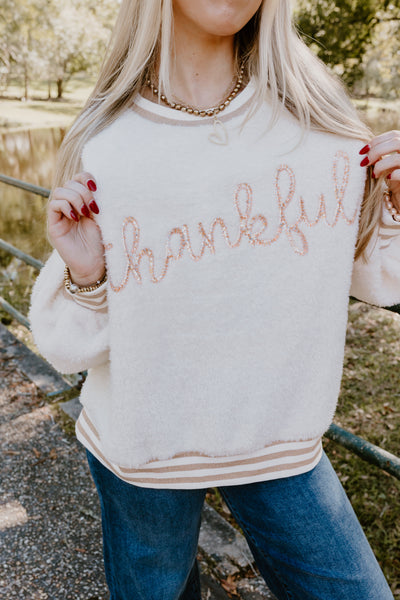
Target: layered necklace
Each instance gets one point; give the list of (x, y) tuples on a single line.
[(219, 134)]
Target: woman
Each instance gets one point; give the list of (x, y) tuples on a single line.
[(205, 215)]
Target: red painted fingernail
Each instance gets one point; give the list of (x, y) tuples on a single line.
[(389, 176), (74, 215), (364, 162), (366, 149), (373, 175), (85, 211), (91, 185), (93, 206)]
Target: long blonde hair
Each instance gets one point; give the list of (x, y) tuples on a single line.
[(284, 69)]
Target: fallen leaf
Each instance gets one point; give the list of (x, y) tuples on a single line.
[(229, 585)]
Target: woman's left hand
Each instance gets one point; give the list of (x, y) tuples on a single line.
[(383, 151)]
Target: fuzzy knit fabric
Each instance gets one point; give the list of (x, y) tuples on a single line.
[(229, 253)]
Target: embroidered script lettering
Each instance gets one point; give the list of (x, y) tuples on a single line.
[(250, 227)]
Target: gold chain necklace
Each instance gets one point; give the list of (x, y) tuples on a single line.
[(207, 112), (227, 92)]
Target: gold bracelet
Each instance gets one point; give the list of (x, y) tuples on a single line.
[(387, 196), (75, 289)]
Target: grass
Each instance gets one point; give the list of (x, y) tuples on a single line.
[(38, 111), (66, 422)]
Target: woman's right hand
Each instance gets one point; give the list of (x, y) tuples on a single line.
[(73, 231)]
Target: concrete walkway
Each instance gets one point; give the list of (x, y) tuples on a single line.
[(50, 532)]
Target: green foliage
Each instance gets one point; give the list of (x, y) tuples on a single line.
[(341, 32), (382, 60)]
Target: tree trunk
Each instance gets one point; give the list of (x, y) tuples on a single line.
[(25, 83), (48, 89), (60, 88)]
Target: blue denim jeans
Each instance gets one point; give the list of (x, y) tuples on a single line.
[(302, 530)]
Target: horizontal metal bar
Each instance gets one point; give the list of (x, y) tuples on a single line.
[(27, 258), (395, 308), (75, 384), (29, 187), (365, 450), (14, 312)]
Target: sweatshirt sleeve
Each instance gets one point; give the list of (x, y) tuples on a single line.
[(94, 300), (70, 336), (377, 281)]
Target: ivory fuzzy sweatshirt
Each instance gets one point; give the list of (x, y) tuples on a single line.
[(230, 255)]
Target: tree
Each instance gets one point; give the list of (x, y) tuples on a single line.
[(339, 32), (19, 23), (381, 63), (76, 37), (53, 39)]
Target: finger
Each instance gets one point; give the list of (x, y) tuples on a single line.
[(86, 179), (385, 137), (386, 165), (394, 175), (85, 195), (58, 209), (391, 146), (72, 196)]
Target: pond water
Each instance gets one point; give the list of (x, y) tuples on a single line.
[(30, 156)]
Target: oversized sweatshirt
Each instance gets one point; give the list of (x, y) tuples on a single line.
[(230, 256)]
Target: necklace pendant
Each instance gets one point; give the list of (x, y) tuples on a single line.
[(219, 134)]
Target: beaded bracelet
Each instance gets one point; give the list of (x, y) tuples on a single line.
[(387, 196), (73, 288)]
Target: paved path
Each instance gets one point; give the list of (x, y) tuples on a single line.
[(50, 535)]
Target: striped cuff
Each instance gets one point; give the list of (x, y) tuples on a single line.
[(95, 300)]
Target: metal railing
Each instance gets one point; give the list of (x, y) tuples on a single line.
[(364, 449), (37, 264)]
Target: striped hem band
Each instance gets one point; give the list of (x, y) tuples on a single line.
[(195, 470)]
